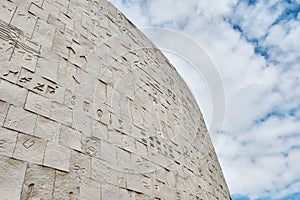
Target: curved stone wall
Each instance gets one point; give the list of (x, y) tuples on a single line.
[(90, 109)]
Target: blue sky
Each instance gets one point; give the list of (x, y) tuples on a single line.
[(255, 47)]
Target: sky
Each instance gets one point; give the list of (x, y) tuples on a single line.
[(254, 45)]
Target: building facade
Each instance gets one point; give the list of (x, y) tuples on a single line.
[(91, 109)]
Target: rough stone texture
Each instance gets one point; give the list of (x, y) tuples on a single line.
[(91, 109), (20, 120), (12, 173), (29, 148)]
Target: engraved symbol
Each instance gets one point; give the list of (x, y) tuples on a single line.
[(79, 170), (178, 196), (139, 162), (30, 190), (11, 72), (73, 100), (71, 196), (99, 112), (27, 56), (86, 106), (91, 150), (38, 106), (51, 89), (28, 143), (11, 123), (25, 79), (146, 185), (2, 142), (110, 119), (120, 123), (126, 145), (39, 87), (121, 179)]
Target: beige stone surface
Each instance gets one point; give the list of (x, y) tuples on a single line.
[(57, 156), (29, 148), (12, 93), (91, 109), (8, 139), (40, 179), (47, 129), (12, 173), (20, 120)]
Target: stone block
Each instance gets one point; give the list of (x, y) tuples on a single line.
[(70, 138), (115, 138), (43, 35), (133, 181), (8, 139), (57, 156), (38, 11), (129, 143), (142, 165), (50, 8), (24, 21), (82, 123), (12, 93), (108, 153), (47, 64), (99, 130), (61, 113), (90, 189), (100, 94), (91, 146), (30, 149), (20, 120), (12, 173), (47, 129), (38, 104), (109, 191), (38, 183), (7, 11), (104, 173), (66, 74), (65, 187), (80, 166), (56, 22), (124, 160)]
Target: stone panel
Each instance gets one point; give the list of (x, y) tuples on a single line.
[(8, 139), (20, 120), (12, 93), (12, 175), (38, 183), (57, 156), (30, 149)]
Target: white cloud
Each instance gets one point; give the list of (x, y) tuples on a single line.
[(258, 153)]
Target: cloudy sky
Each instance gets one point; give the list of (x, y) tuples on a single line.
[(255, 46)]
